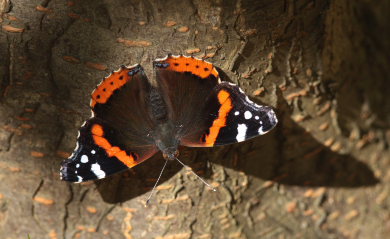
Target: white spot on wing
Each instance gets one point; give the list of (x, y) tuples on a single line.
[(236, 113), (257, 117), (241, 132), (84, 159), (247, 114), (95, 168), (261, 130), (93, 151), (77, 165), (79, 179)]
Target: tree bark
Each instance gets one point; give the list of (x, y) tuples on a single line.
[(321, 173)]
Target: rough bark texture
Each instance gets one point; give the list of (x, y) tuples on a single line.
[(323, 172)]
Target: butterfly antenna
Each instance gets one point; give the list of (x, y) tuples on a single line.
[(192, 171), (155, 185)]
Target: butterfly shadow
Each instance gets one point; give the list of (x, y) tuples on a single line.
[(288, 155)]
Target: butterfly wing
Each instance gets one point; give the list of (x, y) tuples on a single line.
[(237, 119), (98, 154), (185, 83), (116, 137), (220, 113)]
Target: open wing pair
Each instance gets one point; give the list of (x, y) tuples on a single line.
[(128, 110)]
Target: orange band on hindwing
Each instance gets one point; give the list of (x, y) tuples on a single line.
[(220, 122), (98, 137), (111, 83), (200, 68)]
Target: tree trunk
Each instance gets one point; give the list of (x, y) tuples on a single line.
[(321, 173)]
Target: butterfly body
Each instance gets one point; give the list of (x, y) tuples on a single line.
[(133, 117)]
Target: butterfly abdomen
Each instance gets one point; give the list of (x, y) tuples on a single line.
[(158, 106)]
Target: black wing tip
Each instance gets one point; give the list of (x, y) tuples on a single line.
[(270, 119), (68, 172), (272, 116), (65, 175)]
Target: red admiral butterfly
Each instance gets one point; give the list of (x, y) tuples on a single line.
[(134, 117)]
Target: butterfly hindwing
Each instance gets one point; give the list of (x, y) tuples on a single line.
[(186, 83), (127, 109)]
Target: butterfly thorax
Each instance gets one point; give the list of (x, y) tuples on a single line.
[(166, 140)]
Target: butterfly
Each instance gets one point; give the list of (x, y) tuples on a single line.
[(134, 117)]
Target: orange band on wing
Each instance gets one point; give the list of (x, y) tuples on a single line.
[(197, 67), (218, 123), (98, 138), (107, 87), (97, 130)]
